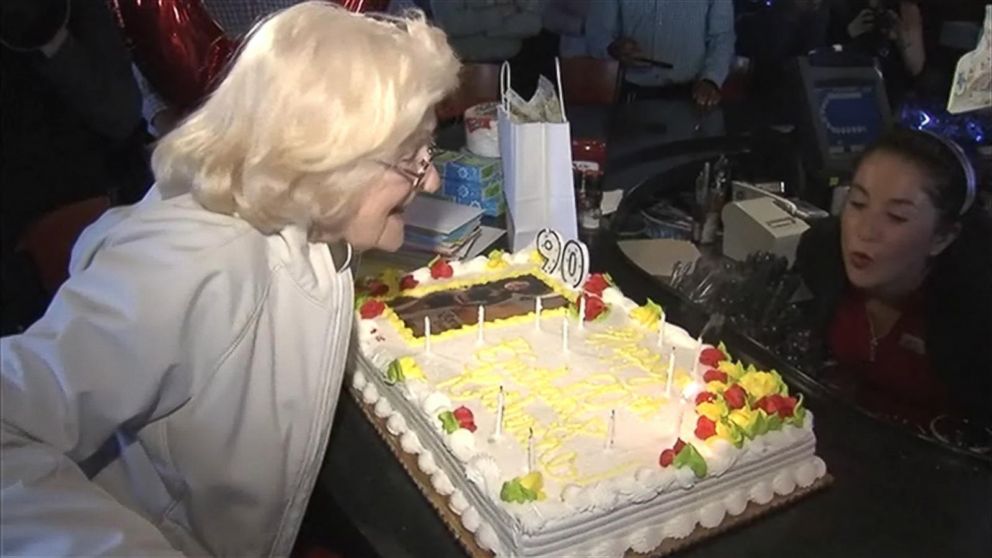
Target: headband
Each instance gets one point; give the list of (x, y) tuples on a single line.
[(970, 178)]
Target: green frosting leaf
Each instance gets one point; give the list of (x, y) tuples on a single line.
[(394, 373), (760, 426), (691, 458), (723, 349), (514, 491), (448, 421), (774, 422), (798, 414)]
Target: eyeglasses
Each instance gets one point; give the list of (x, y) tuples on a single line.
[(417, 177)]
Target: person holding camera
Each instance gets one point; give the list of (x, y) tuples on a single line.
[(891, 32)]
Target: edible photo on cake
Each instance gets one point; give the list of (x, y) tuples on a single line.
[(456, 308)]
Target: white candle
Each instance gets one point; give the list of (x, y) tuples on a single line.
[(695, 361), (582, 311), (538, 306), (427, 334), (661, 329), (611, 429), (500, 405), (688, 397), (530, 451), (671, 373), (481, 338), (564, 334)]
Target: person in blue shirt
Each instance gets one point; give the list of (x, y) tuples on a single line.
[(695, 36)]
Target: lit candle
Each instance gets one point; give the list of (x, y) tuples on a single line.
[(661, 329), (530, 451), (582, 311), (695, 361), (481, 325), (611, 429), (687, 398), (427, 334), (564, 334), (500, 406), (538, 306), (671, 373)]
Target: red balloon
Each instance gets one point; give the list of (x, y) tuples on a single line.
[(180, 49)]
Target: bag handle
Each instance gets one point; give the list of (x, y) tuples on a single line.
[(504, 85), (561, 91)]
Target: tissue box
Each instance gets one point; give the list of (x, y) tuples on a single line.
[(487, 196), (466, 167), (472, 180)]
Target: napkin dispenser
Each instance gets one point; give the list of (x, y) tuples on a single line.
[(760, 225)]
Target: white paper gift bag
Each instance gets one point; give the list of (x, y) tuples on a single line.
[(536, 150)]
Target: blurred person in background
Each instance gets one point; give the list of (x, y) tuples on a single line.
[(71, 127), (697, 38)]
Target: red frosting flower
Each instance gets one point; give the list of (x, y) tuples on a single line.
[(376, 287), (776, 403), (735, 396), (704, 397), (666, 458), (594, 307), (596, 284), (441, 269), (705, 428), (408, 282), (714, 375), (711, 357), (371, 308), (465, 418)]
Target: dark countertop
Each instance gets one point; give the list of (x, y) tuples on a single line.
[(894, 494)]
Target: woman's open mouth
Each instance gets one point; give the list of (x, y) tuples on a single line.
[(860, 260)]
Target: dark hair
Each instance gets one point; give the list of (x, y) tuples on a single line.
[(947, 180)]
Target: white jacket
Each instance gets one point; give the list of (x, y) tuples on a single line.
[(212, 354)]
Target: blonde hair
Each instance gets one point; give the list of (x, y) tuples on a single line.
[(316, 96)]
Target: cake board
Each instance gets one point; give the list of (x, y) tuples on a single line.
[(668, 546)]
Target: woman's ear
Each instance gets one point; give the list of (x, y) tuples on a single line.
[(943, 238)]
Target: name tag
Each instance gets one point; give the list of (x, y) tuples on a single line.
[(913, 343)]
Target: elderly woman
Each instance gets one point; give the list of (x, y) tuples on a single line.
[(178, 395)]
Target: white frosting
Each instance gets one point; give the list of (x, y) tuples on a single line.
[(396, 424), (636, 507), (382, 408), (442, 483), (462, 444)]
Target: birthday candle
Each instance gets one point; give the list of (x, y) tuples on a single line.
[(611, 429), (427, 334), (530, 450), (538, 306), (582, 311), (564, 334), (695, 360), (500, 405), (482, 320), (671, 373), (661, 329)]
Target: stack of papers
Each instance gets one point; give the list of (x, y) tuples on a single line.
[(441, 227)]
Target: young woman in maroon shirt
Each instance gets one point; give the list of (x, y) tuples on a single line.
[(904, 281)]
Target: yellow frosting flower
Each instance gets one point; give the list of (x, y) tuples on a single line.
[(496, 260), (536, 258), (712, 410), (745, 418), (760, 384), (734, 370), (411, 370), (729, 433), (647, 315)]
